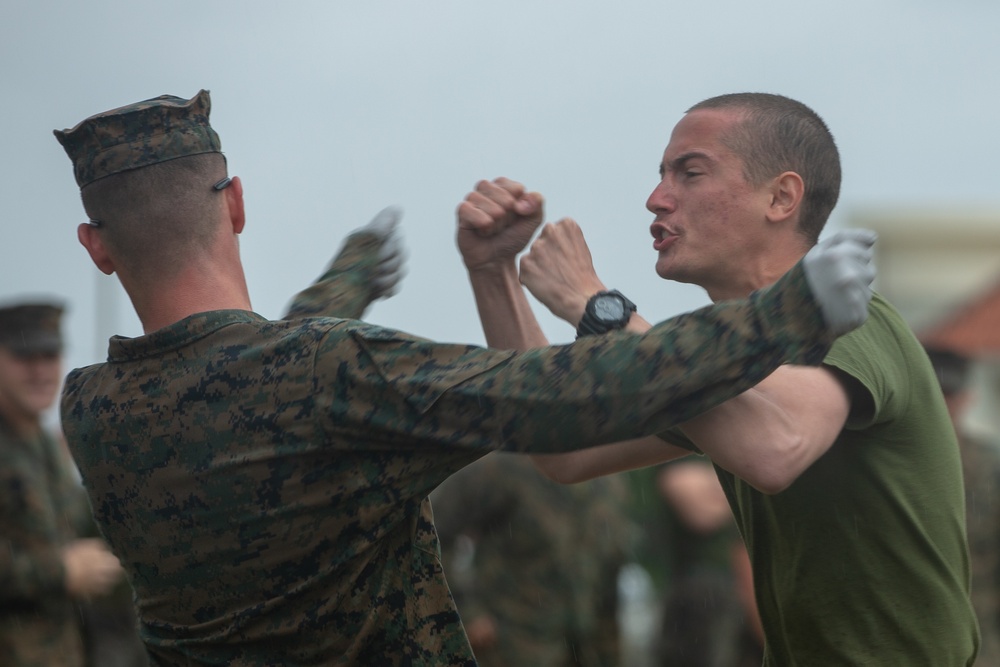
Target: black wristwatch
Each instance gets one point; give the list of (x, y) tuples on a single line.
[(605, 311)]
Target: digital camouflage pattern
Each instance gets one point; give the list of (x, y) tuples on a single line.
[(546, 560), (138, 135), (265, 482), (42, 507), (981, 471), (345, 288)]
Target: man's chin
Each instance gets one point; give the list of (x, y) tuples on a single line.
[(676, 274), (669, 271), (39, 404), (663, 268)]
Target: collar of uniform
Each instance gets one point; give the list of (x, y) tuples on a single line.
[(176, 335)]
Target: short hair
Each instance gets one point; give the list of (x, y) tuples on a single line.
[(779, 134), (157, 218)]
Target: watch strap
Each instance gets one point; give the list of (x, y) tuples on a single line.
[(591, 325)]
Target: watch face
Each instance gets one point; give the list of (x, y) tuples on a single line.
[(609, 308)]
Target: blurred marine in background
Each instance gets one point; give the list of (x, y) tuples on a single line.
[(534, 565), (980, 453), (46, 569)]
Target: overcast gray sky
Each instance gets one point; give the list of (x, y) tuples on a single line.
[(330, 111)]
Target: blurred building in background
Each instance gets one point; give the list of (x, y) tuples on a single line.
[(941, 269)]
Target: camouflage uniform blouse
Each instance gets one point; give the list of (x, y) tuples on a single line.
[(41, 508), (265, 482)]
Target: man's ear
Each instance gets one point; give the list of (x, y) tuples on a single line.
[(787, 191), (234, 204), (90, 239)]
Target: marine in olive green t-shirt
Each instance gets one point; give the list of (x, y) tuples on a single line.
[(863, 559)]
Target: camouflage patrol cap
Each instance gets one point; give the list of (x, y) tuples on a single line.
[(31, 328), (138, 135)]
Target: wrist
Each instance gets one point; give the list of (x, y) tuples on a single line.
[(493, 269), (573, 304), (494, 284), (574, 307), (605, 311)]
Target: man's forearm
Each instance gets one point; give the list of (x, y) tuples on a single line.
[(617, 387), (507, 319)]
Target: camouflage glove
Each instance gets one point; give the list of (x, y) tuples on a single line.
[(368, 267), (389, 270), (839, 272)]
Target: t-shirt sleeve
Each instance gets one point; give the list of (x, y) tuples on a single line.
[(876, 373)]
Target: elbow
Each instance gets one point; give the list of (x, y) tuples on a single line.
[(771, 485), (777, 471), (558, 468)]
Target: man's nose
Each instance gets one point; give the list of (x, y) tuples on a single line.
[(661, 198)]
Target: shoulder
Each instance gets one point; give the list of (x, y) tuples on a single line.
[(883, 335), (74, 384), (880, 362)]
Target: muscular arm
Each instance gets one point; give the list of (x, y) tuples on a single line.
[(700, 362), (772, 433), (767, 436), (586, 464)]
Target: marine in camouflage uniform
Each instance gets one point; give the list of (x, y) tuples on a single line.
[(545, 558), (39, 621), (42, 509), (981, 472), (265, 482)]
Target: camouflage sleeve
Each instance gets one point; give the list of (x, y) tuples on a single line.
[(30, 561), (594, 391), (344, 290)]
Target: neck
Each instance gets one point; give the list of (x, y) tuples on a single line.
[(764, 273), (196, 289), (201, 298)]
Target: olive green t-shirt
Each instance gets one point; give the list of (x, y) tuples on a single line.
[(863, 559)]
